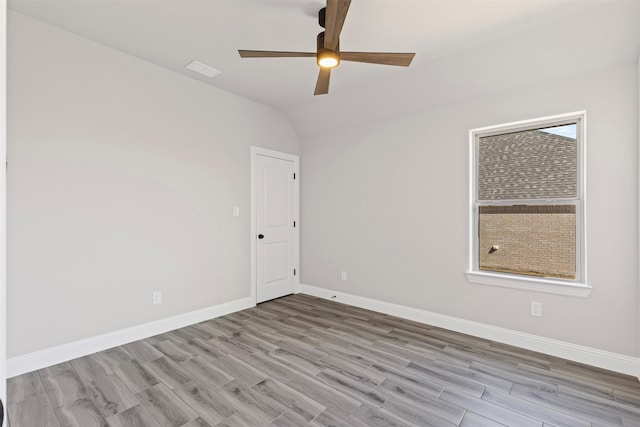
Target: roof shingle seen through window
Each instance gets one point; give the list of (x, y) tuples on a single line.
[(530, 164)]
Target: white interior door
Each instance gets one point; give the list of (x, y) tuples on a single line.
[(276, 226)]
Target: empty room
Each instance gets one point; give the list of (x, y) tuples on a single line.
[(320, 213)]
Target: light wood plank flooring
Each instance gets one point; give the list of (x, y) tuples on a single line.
[(302, 361)]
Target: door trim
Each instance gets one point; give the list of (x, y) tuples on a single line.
[(3, 203), (259, 151)]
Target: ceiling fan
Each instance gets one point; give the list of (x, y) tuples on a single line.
[(328, 54)]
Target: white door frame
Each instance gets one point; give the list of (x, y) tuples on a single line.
[(3, 203), (258, 151)]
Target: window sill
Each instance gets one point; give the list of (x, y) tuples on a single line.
[(535, 284)]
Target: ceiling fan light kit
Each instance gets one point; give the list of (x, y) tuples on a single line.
[(326, 58), (328, 54)]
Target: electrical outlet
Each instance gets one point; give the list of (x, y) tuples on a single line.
[(343, 275), (156, 297), (536, 309)]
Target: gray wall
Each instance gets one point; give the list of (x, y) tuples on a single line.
[(388, 203), (123, 175), (122, 178)]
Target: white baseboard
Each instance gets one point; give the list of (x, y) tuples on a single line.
[(603, 359), (612, 361), (62, 353)]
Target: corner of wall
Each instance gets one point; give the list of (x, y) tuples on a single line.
[(638, 178)]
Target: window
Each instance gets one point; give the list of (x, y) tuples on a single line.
[(527, 224)]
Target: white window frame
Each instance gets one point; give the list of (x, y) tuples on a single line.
[(577, 287)]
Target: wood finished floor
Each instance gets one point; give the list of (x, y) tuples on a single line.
[(302, 361)]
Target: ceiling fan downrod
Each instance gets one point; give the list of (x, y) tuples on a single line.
[(322, 14)]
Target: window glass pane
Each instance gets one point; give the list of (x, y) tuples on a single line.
[(534, 240), (531, 164)]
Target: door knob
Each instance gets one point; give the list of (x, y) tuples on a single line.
[(260, 236)]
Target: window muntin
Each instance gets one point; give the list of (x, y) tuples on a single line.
[(527, 200)]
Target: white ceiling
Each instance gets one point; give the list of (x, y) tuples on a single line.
[(457, 43)]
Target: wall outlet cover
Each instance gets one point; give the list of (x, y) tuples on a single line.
[(536, 309), (156, 297)]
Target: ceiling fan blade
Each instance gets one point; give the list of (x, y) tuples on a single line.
[(335, 15), (322, 85), (385, 58), (273, 54)]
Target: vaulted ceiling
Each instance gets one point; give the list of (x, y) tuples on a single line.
[(464, 48)]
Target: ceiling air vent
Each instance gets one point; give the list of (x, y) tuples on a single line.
[(203, 69)]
